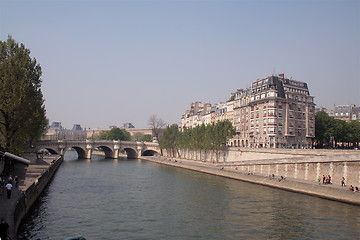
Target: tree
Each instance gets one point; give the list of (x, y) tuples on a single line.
[(170, 138), (156, 124), (201, 138), (22, 111), (115, 134), (330, 132), (142, 137)]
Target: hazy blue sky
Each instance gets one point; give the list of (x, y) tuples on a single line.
[(109, 62)]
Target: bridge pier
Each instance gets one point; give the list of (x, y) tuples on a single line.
[(89, 149), (139, 149), (116, 149), (61, 148)]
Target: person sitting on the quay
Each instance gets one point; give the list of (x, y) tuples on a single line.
[(281, 178), (351, 188), (356, 189), (272, 176)]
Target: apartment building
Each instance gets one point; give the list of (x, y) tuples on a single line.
[(275, 112), (342, 112)]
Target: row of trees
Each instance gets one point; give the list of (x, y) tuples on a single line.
[(203, 138), (331, 132), (22, 111)]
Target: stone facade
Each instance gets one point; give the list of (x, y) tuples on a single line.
[(275, 112)]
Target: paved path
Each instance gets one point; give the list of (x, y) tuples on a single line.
[(34, 170)]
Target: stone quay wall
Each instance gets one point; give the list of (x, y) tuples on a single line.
[(32, 190), (302, 164), (329, 191)]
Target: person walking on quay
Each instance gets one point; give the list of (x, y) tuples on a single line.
[(4, 229), (343, 182), (16, 180), (324, 178), (2, 185), (8, 189), (319, 179)]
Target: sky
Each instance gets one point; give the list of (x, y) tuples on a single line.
[(106, 63)]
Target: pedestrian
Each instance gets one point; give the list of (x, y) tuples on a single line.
[(319, 179), (1, 186), (8, 189), (324, 178), (4, 229), (343, 182), (16, 180)]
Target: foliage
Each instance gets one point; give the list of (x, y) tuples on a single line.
[(203, 138), (141, 137), (330, 132), (22, 111), (115, 134)]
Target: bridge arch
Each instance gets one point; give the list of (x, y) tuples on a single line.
[(149, 153), (109, 153), (80, 151), (50, 150), (131, 153)]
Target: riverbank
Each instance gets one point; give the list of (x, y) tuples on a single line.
[(38, 175), (328, 191)]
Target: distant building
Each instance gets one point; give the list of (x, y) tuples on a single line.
[(57, 132), (94, 133), (128, 125), (343, 112), (275, 112)]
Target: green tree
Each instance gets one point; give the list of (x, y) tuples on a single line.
[(323, 123), (354, 136), (22, 112), (201, 138), (115, 134), (329, 131), (142, 137), (169, 139)]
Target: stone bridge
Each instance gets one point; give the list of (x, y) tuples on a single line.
[(111, 148)]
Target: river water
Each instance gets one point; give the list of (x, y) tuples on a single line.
[(111, 199)]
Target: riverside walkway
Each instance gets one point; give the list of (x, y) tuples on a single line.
[(327, 191), (26, 179)]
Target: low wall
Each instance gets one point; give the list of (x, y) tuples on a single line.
[(303, 164), (31, 193)]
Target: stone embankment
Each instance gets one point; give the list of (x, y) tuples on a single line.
[(328, 191), (38, 175)]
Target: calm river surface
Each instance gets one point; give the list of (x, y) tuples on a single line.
[(133, 199)]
